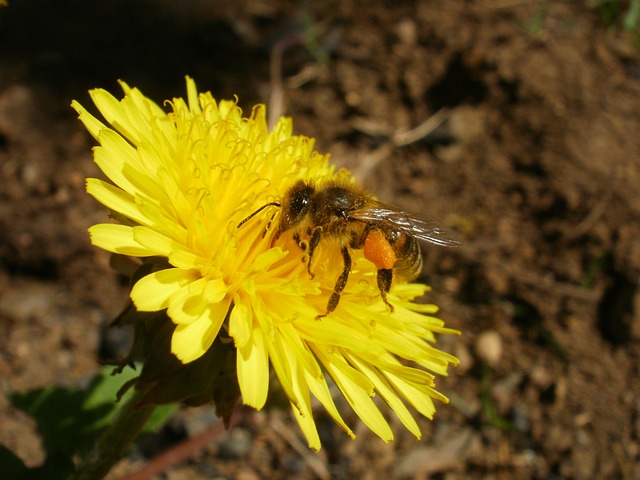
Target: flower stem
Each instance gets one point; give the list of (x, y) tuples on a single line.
[(115, 440)]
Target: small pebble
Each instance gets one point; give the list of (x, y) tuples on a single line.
[(407, 31), (489, 347)]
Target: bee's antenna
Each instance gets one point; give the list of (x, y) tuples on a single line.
[(270, 204)]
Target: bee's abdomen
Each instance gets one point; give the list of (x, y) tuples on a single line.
[(409, 256)]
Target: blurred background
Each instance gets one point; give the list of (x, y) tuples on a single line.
[(515, 122)]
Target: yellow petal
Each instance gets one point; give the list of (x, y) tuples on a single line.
[(423, 308), (116, 199), (268, 258), (155, 241), (192, 96), (187, 303), (190, 342), (386, 391), (114, 156), (215, 290), (303, 414), (281, 366), (253, 370), (113, 112), (314, 378), (420, 398), (140, 103), (117, 239), (324, 333), (152, 292), (308, 426), (300, 393), (183, 258), (240, 322), (351, 384), (92, 124)]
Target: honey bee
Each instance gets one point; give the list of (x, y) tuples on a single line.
[(350, 216)]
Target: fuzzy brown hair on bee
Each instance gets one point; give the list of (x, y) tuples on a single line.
[(355, 220)]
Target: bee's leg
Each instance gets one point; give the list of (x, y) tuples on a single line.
[(358, 242), (313, 243), (385, 277), (340, 284)]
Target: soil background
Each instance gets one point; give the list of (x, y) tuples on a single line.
[(529, 146)]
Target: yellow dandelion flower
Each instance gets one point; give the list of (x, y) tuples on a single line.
[(181, 184)]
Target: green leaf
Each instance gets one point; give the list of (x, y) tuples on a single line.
[(70, 420), (632, 18)]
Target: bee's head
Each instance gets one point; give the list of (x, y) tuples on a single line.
[(296, 205)]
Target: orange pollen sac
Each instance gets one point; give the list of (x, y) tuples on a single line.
[(378, 250)]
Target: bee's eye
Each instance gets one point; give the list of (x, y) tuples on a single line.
[(299, 203)]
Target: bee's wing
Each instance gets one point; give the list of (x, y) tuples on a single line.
[(428, 230)]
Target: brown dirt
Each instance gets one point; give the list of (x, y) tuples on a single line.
[(536, 164)]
